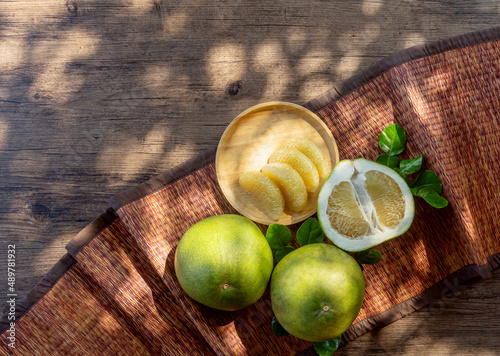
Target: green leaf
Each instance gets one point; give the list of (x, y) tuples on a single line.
[(282, 252), (405, 178), (427, 179), (278, 235), (326, 348), (278, 330), (432, 197), (368, 257), (389, 161), (310, 232), (392, 140), (410, 166)]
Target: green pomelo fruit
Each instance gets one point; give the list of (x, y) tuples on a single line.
[(317, 292), (224, 262)]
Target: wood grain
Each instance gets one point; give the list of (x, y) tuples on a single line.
[(464, 322), (98, 96)]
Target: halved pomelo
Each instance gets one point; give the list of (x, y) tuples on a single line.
[(363, 204)]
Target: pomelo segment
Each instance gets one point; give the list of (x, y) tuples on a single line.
[(296, 170), (266, 193), (363, 204), (344, 212), (303, 165), (290, 183), (311, 151), (387, 198)]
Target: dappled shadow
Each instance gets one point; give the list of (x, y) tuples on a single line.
[(429, 328), (99, 96)]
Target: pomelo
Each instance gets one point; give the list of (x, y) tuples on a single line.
[(317, 291), (363, 204), (224, 262)]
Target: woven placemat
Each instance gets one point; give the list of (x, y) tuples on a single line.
[(115, 291)]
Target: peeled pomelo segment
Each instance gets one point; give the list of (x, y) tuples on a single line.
[(303, 165), (363, 204), (290, 183), (267, 194), (311, 151)]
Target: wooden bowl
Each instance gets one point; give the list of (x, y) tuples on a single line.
[(252, 137)]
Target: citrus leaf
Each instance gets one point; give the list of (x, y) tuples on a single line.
[(368, 257), (410, 166), (282, 252), (432, 197), (427, 179), (326, 348), (278, 235), (389, 161), (392, 140), (310, 232), (278, 330)]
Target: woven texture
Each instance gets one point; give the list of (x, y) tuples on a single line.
[(122, 295)]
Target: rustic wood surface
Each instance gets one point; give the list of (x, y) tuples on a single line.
[(98, 96)]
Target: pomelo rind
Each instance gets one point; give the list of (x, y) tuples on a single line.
[(224, 262)]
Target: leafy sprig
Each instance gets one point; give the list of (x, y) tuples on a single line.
[(427, 185), (310, 232), (279, 237), (326, 348), (367, 257)]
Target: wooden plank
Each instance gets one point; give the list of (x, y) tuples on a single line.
[(99, 96), (464, 322)]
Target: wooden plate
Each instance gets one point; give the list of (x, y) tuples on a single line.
[(252, 137)]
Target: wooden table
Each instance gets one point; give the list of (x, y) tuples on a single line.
[(98, 96)]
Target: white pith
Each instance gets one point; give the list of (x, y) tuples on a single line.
[(354, 172)]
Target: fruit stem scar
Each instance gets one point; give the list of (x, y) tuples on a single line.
[(326, 308), (225, 286)]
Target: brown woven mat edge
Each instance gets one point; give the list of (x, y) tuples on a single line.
[(406, 55), (38, 291), (90, 231)]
